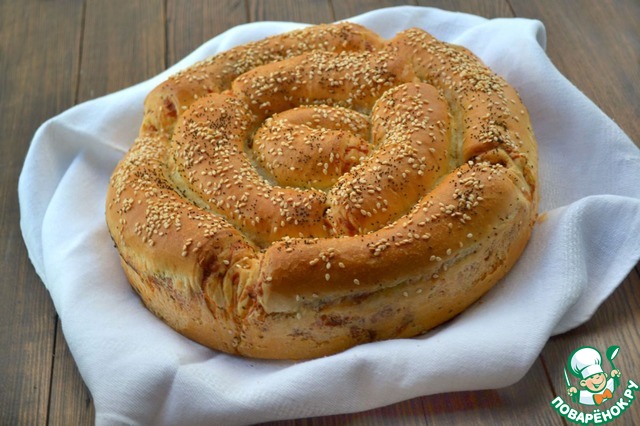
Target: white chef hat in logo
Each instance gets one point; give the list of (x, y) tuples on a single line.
[(586, 362)]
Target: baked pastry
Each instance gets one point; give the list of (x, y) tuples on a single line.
[(294, 197)]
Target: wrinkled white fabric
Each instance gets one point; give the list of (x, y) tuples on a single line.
[(139, 371)]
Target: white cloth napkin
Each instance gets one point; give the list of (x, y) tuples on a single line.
[(139, 371)]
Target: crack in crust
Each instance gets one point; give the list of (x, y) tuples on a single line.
[(296, 196)]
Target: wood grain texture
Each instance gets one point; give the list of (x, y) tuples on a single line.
[(347, 9), (76, 50), (598, 49), (123, 44), (487, 9), (39, 44), (70, 400), (309, 11), (191, 23)]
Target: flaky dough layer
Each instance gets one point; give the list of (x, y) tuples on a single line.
[(294, 197)]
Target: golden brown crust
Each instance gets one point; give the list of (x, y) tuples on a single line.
[(297, 196), (321, 143)]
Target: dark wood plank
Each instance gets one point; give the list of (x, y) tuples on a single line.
[(486, 8), (123, 43), (347, 9), (38, 64), (310, 11), (71, 402), (598, 49), (25, 315), (191, 23)]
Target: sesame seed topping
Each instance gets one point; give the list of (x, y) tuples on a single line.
[(287, 145)]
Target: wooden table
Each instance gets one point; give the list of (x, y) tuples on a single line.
[(54, 55)]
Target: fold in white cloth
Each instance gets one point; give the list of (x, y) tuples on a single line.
[(139, 371)]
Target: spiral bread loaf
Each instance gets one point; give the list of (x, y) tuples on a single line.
[(294, 197)]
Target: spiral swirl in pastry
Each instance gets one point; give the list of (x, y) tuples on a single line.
[(296, 196)]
